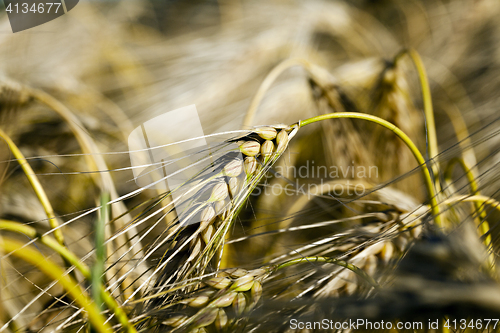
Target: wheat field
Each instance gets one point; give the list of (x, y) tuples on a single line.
[(351, 180)]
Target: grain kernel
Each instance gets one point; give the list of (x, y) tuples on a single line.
[(250, 148), (266, 133)]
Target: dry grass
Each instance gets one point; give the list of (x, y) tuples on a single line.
[(421, 242)]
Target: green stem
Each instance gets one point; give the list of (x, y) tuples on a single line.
[(418, 156), (95, 161), (478, 200), (341, 263), (73, 260), (427, 100), (474, 190), (39, 191), (483, 225), (100, 250), (484, 200), (266, 84), (37, 187), (52, 270)]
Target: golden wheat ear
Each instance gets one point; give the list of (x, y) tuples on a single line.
[(220, 304), (196, 240)]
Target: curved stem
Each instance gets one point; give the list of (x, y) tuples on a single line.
[(266, 84), (418, 156), (427, 100), (35, 184), (71, 258), (453, 112), (472, 183), (52, 270), (463, 136), (466, 169), (96, 162), (483, 225), (45, 240), (482, 199), (341, 263), (38, 188)]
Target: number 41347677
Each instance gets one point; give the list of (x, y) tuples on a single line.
[(48, 7)]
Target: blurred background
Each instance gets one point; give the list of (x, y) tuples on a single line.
[(116, 64)]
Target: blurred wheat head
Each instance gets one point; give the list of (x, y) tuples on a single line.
[(82, 248)]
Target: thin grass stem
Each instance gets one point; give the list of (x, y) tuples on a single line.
[(427, 100), (37, 187), (55, 272), (266, 84), (73, 260), (337, 262), (484, 226), (100, 250), (482, 199), (420, 159), (95, 162)]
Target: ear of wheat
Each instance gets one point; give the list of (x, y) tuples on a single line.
[(217, 202)]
